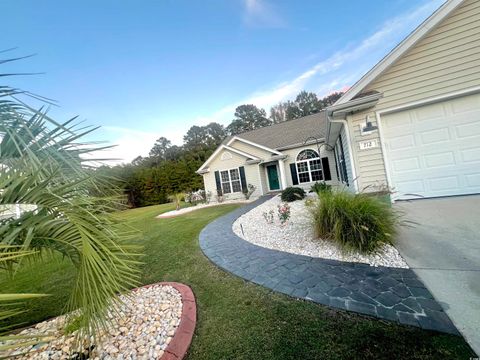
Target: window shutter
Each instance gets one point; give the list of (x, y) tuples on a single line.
[(217, 181), (326, 168), (243, 180), (293, 170)]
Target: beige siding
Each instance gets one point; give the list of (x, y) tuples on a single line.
[(292, 155), (251, 174), (369, 163), (250, 149), (445, 61)]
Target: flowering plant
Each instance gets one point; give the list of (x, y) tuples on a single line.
[(268, 216), (283, 213)]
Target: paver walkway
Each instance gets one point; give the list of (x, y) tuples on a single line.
[(388, 293)]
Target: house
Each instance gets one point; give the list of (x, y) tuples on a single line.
[(410, 124), (292, 153)]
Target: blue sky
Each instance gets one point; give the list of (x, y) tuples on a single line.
[(144, 69)]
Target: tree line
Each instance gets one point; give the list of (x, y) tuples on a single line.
[(170, 169)]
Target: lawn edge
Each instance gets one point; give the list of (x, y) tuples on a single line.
[(178, 347)]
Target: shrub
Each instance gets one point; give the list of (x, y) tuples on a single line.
[(320, 187), (293, 193), (268, 216), (249, 191), (283, 213), (357, 222)]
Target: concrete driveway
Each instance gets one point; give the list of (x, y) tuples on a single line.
[(444, 250)]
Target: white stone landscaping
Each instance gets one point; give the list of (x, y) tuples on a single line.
[(189, 209), (297, 236), (142, 329)]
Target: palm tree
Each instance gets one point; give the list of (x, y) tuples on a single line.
[(42, 171)]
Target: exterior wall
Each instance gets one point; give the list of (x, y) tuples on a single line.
[(251, 175), (444, 61), (369, 163), (252, 150), (292, 155)]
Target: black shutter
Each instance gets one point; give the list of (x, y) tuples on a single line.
[(217, 181), (243, 180), (293, 170), (326, 168)]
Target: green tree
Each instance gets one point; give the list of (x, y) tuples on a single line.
[(307, 103), (248, 117), (331, 99), (160, 148)]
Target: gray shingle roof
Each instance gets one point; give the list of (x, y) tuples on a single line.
[(288, 133)]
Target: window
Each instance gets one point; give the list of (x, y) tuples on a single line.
[(309, 166), (230, 180)]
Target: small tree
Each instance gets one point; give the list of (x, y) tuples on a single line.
[(43, 172)]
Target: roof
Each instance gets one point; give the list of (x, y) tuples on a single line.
[(441, 13), (287, 133)]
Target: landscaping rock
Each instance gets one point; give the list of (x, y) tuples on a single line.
[(297, 236), (141, 327)]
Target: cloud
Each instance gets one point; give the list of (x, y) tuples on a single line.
[(338, 71), (130, 143), (259, 13)]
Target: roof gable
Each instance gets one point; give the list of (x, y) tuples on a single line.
[(228, 148), (411, 40)]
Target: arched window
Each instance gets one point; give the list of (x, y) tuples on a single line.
[(309, 166)]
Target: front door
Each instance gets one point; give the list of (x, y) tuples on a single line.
[(273, 182)]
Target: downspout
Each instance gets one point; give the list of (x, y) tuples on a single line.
[(350, 149)]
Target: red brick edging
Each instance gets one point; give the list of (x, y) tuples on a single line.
[(177, 349)]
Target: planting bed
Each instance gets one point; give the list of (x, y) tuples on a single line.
[(145, 327), (297, 236)]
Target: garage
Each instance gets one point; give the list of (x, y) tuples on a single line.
[(434, 150)]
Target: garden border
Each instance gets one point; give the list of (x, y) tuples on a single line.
[(393, 294), (182, 339)]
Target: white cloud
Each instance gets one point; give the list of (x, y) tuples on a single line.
[(130, 143), (337, 71), (259, 13)]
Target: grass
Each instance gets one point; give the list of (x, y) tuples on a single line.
[(237, 319)]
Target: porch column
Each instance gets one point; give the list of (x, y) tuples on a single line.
[(283, 178), (259, 167)]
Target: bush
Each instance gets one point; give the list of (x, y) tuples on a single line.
[(320, 187), (293, 193), (357, 222), (249, 191)]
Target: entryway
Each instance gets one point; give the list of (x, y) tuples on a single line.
[(272, 174)]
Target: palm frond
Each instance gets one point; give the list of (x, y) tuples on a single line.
[(43, 172)]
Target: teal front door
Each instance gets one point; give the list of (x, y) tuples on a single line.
[(273, 182)]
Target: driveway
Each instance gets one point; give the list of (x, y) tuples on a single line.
[(444, 250)]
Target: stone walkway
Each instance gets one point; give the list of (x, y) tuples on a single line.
[(387, 293)]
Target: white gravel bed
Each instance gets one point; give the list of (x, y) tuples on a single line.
[(186, 210), (142, 329), (297, 236)]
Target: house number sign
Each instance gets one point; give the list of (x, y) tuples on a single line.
[(368, 144)]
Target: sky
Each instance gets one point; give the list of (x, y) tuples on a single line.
[(142, 69)]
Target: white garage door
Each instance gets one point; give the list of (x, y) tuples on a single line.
[(434, 150)]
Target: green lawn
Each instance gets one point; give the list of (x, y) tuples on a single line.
[(237, 319)]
